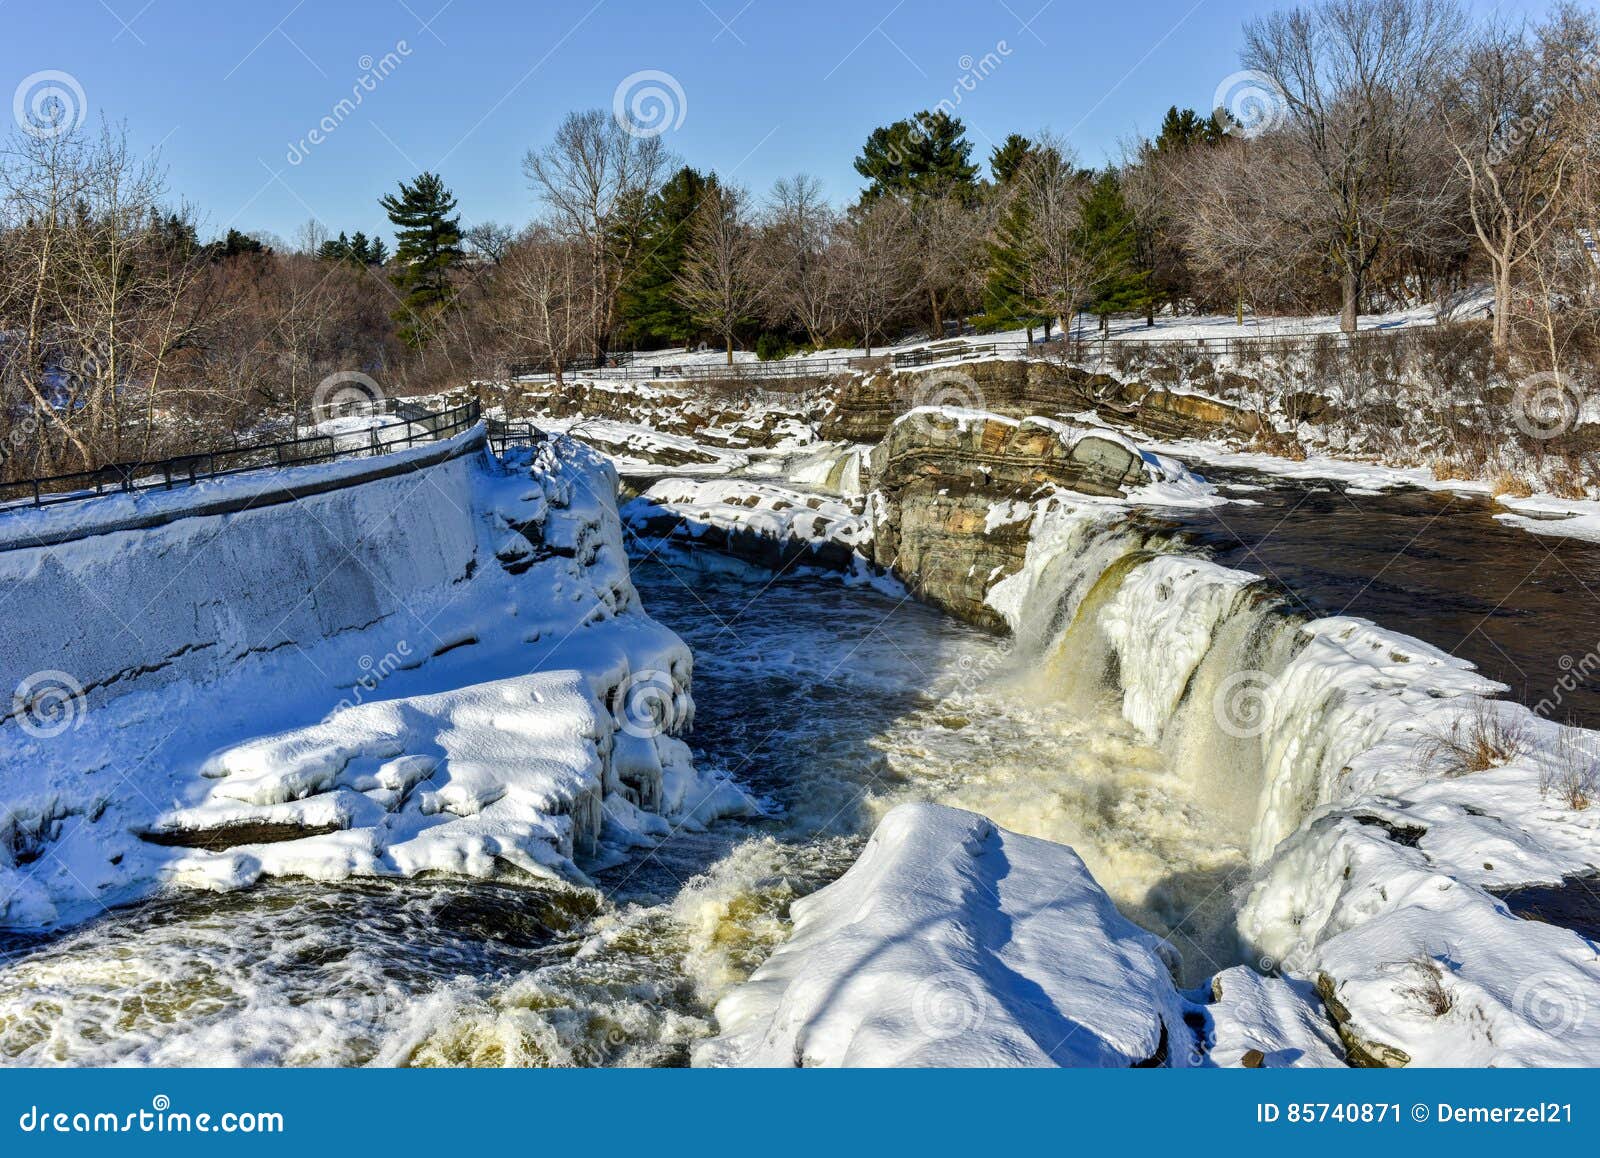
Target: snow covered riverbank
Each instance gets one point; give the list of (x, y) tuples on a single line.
[(492, 699)]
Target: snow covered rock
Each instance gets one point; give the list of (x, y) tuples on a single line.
[(771, 526), (1279, 1019), (952, 942)]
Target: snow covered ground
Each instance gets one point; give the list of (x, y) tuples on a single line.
[(1167, 328)]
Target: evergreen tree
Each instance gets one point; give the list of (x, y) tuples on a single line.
[(1106, 236), (1182, 128), (924, 154), (648, 311), (1008, 157), (235, 244), (1006, 303), (427, 245)]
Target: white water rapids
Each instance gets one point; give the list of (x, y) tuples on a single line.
[(830, 705)]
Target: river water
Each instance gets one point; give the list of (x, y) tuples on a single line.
[(830, 704)]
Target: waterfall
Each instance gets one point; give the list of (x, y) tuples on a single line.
[(1258, 709)]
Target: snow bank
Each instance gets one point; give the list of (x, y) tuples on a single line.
[(770, 525), (952, 942), (518, 717)]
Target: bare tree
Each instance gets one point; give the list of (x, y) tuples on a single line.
[(720, 283), (797, 241), (1063, 267), (873, 271), (1357, 78), (949, 230), (1517, 164), (596, 178), (1246, 228), (542, 300)]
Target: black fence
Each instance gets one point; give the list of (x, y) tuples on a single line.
[(1075, 347), (504, 435), (417, 426)]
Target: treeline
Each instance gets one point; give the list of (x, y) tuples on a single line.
[(1371, 154)]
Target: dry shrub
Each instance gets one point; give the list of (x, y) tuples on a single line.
[(1428, 989), (1564, 478), (1506, 483), (1491, 734), (1574, 774)]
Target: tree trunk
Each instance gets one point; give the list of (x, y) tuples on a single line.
[(730, 349), (1351, 286), (1502, 308)]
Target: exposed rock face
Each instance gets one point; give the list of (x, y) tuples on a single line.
[(938, 475), (865, 408), (728, 417)]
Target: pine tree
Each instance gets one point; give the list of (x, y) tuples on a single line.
[(427, 245), (1006, 303), (1008, 157), (1182, 128), (1106, 236), (924, 154), (648, 311)]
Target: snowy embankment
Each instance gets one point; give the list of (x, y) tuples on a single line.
[(952, 942), (443, 670)]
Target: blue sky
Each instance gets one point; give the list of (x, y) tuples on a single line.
[(770, 87)]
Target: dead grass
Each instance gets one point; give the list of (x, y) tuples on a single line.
[(1489, 735), (1506, 483), (1428, 990), (1574, 775)]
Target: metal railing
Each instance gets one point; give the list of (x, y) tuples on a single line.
[(504, 435), (186, 470), (1075, 346)]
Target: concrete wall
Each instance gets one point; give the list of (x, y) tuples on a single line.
[(294, 555)]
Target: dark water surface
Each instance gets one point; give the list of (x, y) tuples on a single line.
[(1524, 608)]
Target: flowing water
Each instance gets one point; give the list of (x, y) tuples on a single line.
[(829, 705), (1524, 608)]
